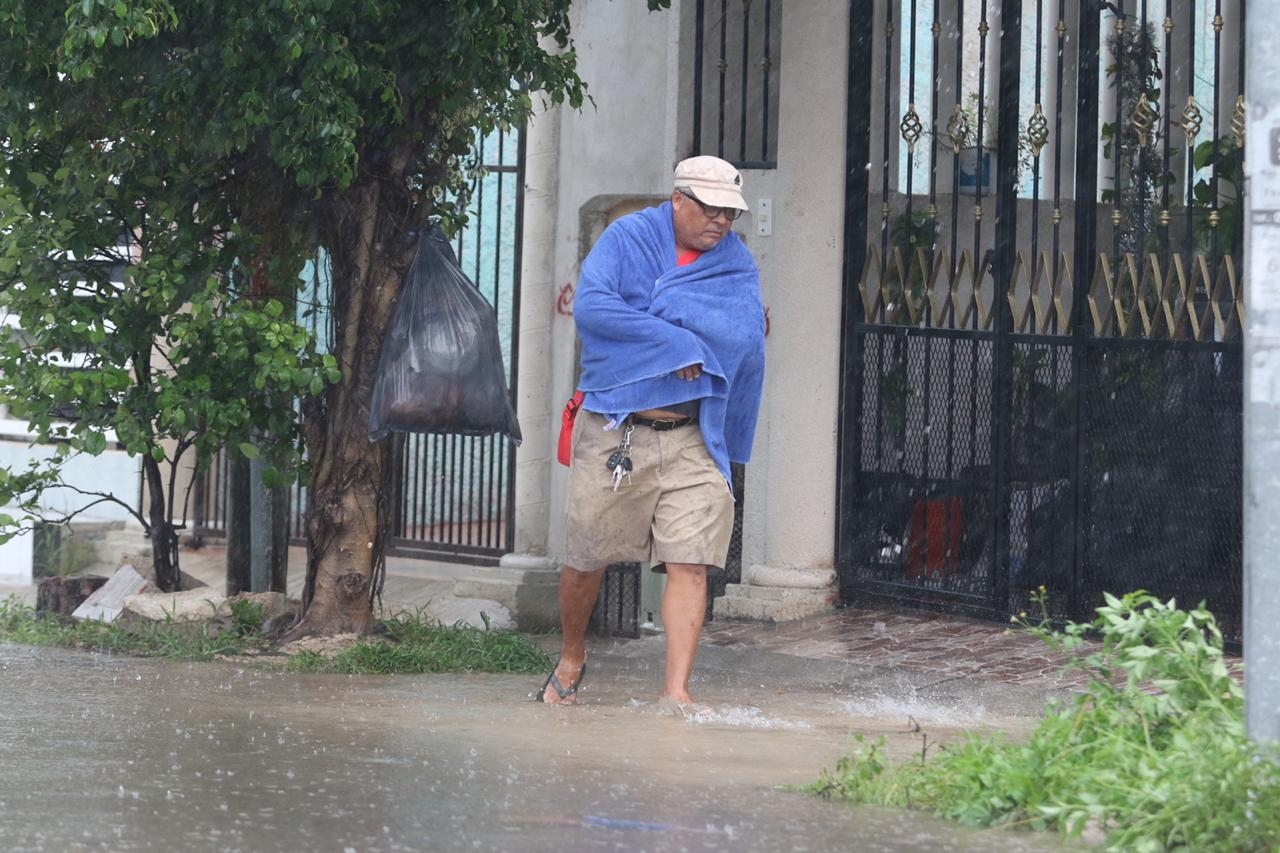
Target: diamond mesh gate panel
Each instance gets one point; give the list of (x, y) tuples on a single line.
[(1163, 491)]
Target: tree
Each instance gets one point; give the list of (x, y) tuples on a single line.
[(263, 131), (119, 273)]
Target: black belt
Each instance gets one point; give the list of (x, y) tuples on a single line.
[(663, 424)]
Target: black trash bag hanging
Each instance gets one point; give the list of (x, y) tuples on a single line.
[(441, 369)]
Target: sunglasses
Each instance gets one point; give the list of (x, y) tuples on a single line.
[(729, 213)]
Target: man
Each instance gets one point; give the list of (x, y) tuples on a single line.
[(669, 314)]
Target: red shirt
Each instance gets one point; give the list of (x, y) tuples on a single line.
[(686, 257)]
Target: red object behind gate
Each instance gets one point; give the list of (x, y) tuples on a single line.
[(935, 538)]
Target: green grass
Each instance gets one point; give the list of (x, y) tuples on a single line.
[(408, 646), (19, 623), (413, 646), (1153, 753)]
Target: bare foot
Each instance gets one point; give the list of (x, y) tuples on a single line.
[(562, 685), (688, 709)]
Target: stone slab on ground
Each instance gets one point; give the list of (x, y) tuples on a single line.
[(452, 611), (108, 600), (192, 605)]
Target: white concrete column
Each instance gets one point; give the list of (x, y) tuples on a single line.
[(536, 454), (789, 529)]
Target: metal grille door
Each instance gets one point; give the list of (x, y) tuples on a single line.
[(1041, 351)]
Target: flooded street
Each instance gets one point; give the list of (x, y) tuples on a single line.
[(109, 753)]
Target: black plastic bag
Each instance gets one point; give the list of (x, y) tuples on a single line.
[(441, 368)]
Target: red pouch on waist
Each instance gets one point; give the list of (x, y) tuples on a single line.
[(564, 451)]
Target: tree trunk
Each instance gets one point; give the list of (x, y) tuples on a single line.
[(63, 595), (239, 519), (164, 539), (370, 251)]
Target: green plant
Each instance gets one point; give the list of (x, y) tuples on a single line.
[(1153, 752), (246, 617), (409, 644), (19, 623), (907, 234), (1140, 174), (412, 645), (1226, 158)]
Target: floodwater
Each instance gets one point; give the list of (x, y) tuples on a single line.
[(123, 754)]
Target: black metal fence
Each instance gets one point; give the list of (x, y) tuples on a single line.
[(454, 496), (735, 80), (1043, 319)]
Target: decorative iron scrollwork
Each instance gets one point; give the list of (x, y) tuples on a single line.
[(911, 127), (1143, 119), (1192, 119), (1038, 130), (1238, 116)]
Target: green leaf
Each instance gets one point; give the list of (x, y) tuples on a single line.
[(249, 451)]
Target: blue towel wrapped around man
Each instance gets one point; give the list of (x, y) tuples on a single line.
[(641, 318)]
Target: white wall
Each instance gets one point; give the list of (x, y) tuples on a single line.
[(16, 557), (112, 472), (790, 502)]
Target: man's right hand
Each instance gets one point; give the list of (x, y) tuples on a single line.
[(689, 373)]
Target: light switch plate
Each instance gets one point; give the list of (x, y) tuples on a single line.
[(764, 217)]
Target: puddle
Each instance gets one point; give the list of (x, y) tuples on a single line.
[(124, 754)]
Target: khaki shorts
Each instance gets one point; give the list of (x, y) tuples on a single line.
[(677, 507)]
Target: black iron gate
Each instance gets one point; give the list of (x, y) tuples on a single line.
[(1041, 345)]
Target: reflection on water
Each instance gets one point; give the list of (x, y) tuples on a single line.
[(103, 753)]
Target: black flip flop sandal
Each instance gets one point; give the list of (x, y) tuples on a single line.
[(562, 691)]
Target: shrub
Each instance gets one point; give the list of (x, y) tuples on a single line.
[(1153, 752)]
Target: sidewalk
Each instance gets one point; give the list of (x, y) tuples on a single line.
[(941, 648), (949, 647)]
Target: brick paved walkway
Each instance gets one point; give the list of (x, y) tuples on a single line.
[(951, 646)]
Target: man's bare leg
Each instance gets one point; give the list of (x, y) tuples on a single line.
[(578, 591), (684, 606)]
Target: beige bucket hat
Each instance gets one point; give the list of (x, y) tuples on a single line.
[(712, 181)]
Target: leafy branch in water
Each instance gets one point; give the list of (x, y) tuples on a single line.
[(1153, 752)]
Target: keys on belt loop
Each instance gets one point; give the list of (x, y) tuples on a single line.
[(620, 460)]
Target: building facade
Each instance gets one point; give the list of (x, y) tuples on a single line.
[(999, 246)]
